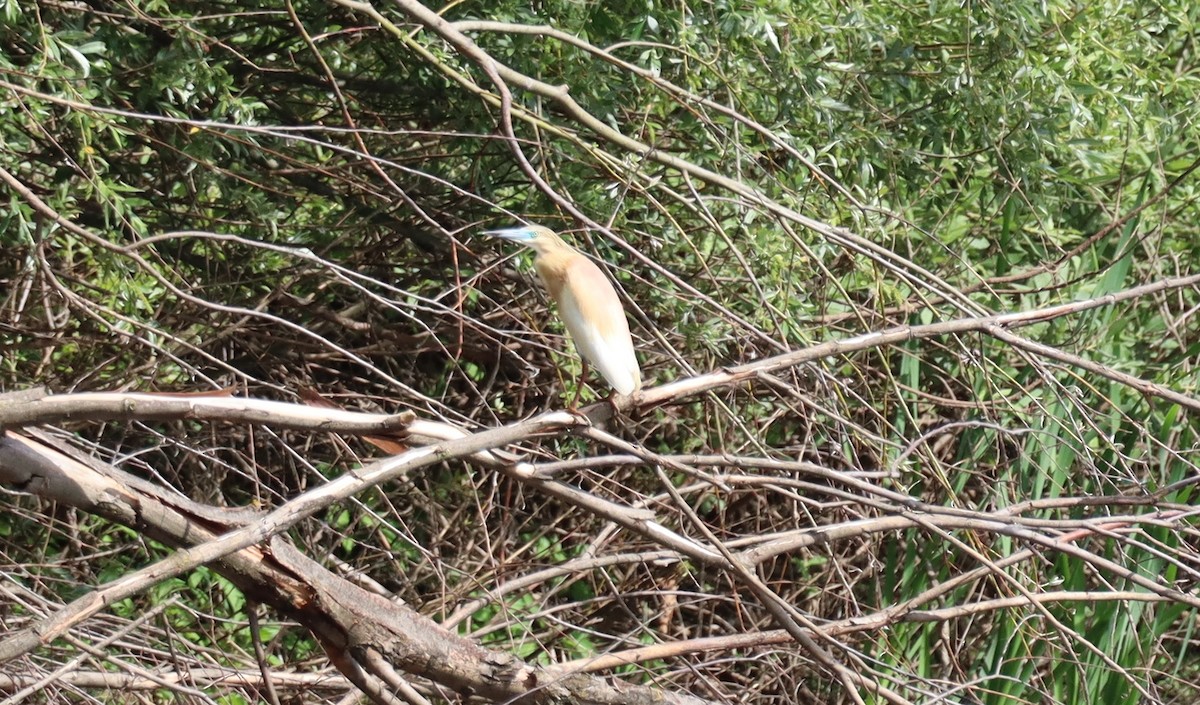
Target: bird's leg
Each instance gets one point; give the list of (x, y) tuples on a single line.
[(583, 372)]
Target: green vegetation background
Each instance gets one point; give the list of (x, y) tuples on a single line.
[(325, 178)]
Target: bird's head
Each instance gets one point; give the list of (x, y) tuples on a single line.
[(539, 239)]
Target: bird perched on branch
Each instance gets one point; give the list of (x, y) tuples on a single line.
[(587, 303)]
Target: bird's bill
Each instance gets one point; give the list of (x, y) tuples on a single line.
[(513, 234)]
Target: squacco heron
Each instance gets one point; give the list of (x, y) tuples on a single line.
[(587, 303)]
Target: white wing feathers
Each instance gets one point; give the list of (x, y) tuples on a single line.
[(596, 321)]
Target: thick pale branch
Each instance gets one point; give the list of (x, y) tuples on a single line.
[(901, 334), (194, 677), (16, 453), (348, 620), (102, 406)]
